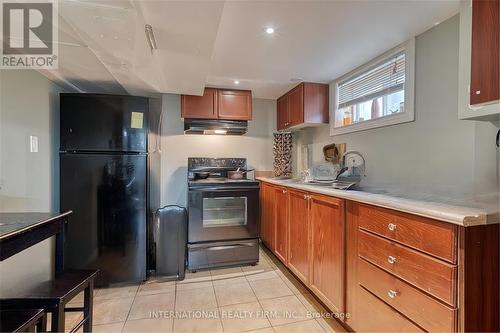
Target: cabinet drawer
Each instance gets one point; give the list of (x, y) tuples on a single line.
[(427, 312), (430, 274), (380, 317), (430, 236)]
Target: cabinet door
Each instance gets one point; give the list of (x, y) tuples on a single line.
[(200, 107), (296, 105), (268, 224), (485, 52), (235, 104), (282, 112), (298, 235), (281, 201), (327, 250)]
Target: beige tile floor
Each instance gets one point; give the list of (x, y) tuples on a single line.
[(262, 298)]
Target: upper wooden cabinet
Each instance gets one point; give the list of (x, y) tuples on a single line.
[(296, 106), (200, 107), (282, 113), (485, 52), (218, 104), (303, 106), (235, 104)]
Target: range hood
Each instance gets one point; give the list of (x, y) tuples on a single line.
[(210, 126)]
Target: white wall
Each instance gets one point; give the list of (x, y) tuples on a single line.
[(256, 146), (29, 105), (437, 153)]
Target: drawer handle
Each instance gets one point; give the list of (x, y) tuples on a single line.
[(392, 293), (391, 260), (284, 191), (391, 226)]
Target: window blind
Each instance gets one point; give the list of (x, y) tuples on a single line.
[(382, 79)]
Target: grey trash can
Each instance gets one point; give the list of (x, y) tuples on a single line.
[(170, 237)]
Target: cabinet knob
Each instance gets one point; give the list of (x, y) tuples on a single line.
[(284, 191), (391, 226), (478, 92), (305, 197), (392, 293), (391, 260)]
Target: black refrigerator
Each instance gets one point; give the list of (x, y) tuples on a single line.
[(109, 177)]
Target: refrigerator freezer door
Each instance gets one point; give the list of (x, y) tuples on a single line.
[(107, 231), (103, 123)]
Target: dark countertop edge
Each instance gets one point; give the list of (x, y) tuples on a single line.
[(34, 225)]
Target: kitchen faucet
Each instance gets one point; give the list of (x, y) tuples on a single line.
[(345, 168)]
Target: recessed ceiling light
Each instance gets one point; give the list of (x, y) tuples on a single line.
[(269, 30), (236, 82)]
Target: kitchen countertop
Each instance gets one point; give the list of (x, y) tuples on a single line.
[(465, 212)]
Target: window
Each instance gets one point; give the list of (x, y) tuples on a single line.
[(379, 93)]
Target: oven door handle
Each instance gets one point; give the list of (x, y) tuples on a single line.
[(222, 247), (218, 189)]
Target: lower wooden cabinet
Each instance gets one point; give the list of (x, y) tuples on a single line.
[(307, 233), (385, 270), (281, 209), (299, 234), (388, 256), (327, 250), (267, 216), (409, 273)]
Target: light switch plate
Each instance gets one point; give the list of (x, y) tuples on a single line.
[(33, 144)]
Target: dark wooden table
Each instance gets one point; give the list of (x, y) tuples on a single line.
[(19, 231)]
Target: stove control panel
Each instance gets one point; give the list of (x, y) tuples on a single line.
[(199, 163)]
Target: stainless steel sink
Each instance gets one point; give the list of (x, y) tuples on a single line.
[(339, 185)]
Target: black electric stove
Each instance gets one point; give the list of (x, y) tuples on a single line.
[(223, 214)]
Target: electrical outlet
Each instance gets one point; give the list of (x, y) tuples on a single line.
[(33, 144)]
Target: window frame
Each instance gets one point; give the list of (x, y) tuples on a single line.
[(408, 115)]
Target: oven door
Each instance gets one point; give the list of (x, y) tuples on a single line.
[(217, 213)]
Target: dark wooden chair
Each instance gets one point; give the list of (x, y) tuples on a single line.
[(53, 295), (30, 320)]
